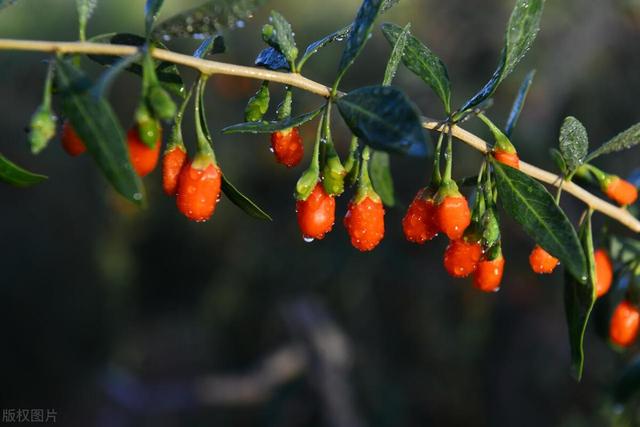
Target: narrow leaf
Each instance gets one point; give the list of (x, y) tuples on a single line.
[(384, 118), (284, 37), (107, 78), (314, 47), (396, 55), (518, 103), (97, 126), (242, 201), (85, 10), (269, 127), (422, 62), (381, 178), (531, 205), (579, 299), (13, 174), (360, 33), (210, 46), (151, 11), (623, 141), (271, 59), (574, 142)]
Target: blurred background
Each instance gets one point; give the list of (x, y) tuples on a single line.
[(115, 316)]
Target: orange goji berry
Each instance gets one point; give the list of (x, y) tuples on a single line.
[(453, 216), (461, 257), (509, 159), (488, 275), (287, 146), (172, 163), (316, 214), (621, 191), (143, 158), (419, 224), (541, 261), (199, 188), (604, 272), (365, 223), (71, 142), (623, 327)]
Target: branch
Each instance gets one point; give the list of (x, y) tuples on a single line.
[(296, 80)]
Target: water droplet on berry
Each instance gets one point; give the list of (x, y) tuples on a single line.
[(308, 239)]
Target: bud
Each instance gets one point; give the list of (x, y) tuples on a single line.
[(43, 129), (333, 175), (258, 104), (148, 127), (306, 184), (163, 106)]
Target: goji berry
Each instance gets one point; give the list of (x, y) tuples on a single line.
[(365, 222), (316, 214), (623, 327), (419, 223), (287, 146), (143, 158), (71, 142), (453, 216), (488, 275), (604, 272), (541, 261), (172, 163), (199, 188), (621, 191), (507, 158), (461, 257)]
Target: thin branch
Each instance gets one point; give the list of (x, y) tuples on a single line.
[(296, 80)]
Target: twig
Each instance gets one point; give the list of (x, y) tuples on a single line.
[(296, 80)]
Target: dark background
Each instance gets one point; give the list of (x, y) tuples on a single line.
[(120, 317)]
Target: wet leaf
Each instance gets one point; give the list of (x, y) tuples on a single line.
[(518, 103), (574, 142), (623, 141), (381, 178), (151, 11), (210, 46), (269, 127), (283, 37), (314, 47), (271, 59), (242, 201), (15, 175), (396, 55), (85, 9)]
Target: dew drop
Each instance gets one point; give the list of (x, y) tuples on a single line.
[(308, 239), (137, 196)]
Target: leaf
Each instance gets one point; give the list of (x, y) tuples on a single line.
[(167, 72), (518, 103), (522, 30), (210, 46), (628, 384), (85, 10), (574, 142), (271, 59), (208, 19), (151, 11), (558, 159), (242, 201), (381, 178), (579, 299), (396, 55), (384, 118), (358, 36), (269, 127), (531, 205), (388, 4), (96, 124), (13, 174), (284, 37), (623, 141), (314, 47), (422, 62)]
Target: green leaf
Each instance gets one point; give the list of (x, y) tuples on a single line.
[(208, 19), (396, 55), (242, 201), (284, 37), (518, 103), (151, 11), (579, 299), (623, 141), (422, 62), (574, 142), (388, 4), (531, 205), (85, 10), (381, 178), (210, 46), (269, 127), (15, 175), (628, 384), (314, 47), (96, 124), (384, 118), (522, 30), (360, 33), (558, 159)]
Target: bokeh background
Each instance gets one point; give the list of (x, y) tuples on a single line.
[(120, 317)]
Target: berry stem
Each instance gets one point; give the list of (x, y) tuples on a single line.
[(436, 176), (448, 157), (202, 133)]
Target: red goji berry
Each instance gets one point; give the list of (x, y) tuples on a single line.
[(621, 191), (172, 163), (541, 261), (623, 327), (199, 188), (316, 214), (604, 272), (143, 158), (453, 216), (71, 142), (488, 275), (461, 257), (419, 223), (507, 158), (365, 223), (287, 146)]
